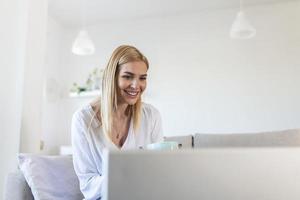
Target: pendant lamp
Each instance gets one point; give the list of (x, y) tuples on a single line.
[(241, 27), (83, 45)]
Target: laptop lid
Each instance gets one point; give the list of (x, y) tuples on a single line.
[(206, 174)]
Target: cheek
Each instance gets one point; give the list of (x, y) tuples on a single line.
[(122, 84), (143, 86)]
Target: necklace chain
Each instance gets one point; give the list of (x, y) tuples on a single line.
[(120, 127)]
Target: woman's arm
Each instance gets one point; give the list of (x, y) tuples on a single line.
[(90, 179), (157, 131)]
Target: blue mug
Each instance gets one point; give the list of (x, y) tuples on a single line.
[(167, 145)]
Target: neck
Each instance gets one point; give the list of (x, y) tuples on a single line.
[(121, 111)]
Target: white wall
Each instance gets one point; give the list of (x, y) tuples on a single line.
[(55, 116), (53, 79), (31, 129), (13, 18), (200, 79)]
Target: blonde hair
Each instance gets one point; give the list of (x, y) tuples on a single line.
[(107, 104)]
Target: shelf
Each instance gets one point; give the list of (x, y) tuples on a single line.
[(93, 93)]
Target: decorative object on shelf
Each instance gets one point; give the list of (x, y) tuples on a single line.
[(77, 89), (91, 87), (89, 83), (97, 78), (83, 44), (241, 27)]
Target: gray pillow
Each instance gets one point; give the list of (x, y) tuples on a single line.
[(50, 177)]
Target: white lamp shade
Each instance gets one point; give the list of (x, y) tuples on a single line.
[(241, 28), (83, 45)]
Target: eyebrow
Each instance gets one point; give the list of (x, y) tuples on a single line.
[(132, 74)]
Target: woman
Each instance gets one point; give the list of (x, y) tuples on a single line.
[(117, 120)]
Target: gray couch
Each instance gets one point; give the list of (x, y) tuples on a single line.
[(18, 189)]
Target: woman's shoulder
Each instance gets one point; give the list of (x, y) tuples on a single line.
[(83, 114), (149, 109)]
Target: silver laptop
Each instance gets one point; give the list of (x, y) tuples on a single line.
[(207, 174)]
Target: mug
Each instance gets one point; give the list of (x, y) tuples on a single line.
[(167, 145)]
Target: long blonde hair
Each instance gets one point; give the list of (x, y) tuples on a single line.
[(106, 105)]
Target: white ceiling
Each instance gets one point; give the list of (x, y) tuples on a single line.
[(70, 12)]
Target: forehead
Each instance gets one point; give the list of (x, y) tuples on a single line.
[(136, 67)]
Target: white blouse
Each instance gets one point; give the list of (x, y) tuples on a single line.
[(88, 146)]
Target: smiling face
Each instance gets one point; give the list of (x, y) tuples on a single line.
[(132, 81)]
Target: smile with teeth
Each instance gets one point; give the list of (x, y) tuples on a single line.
[(132, 93)]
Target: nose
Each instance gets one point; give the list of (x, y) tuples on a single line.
[(134, 84)]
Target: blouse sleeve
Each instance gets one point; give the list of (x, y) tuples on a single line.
[(157, 131), (91, 181)]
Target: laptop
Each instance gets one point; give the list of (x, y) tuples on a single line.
[(206, 174)]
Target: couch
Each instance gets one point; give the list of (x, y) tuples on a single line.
[(17, 187)]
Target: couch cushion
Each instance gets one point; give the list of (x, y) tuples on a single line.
[(264, 139), (50, 177)]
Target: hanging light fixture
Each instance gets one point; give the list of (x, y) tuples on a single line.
[(83, 44), (241, 27)]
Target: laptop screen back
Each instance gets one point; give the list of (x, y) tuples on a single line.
[(207, 174)]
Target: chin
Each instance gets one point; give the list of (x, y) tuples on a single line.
[(132, 101)]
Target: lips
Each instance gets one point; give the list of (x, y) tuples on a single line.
[(132, 94)]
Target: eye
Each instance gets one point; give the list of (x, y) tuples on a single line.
[(143, 78), (127, 77)]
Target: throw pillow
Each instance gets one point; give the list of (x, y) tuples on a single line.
[(50, 177)]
